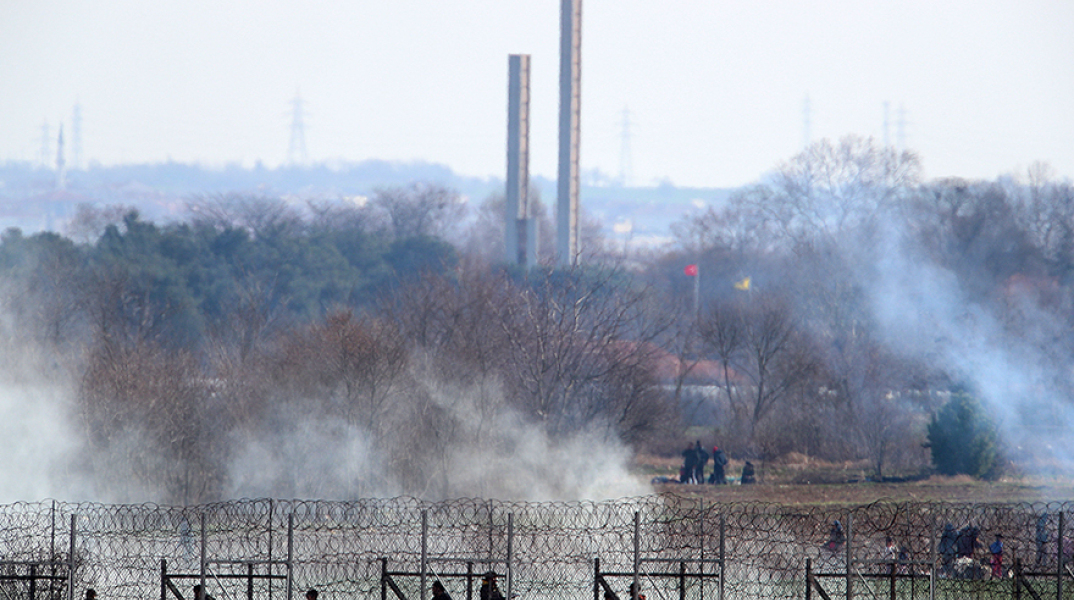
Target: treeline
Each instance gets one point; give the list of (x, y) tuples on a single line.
[(260, 347)]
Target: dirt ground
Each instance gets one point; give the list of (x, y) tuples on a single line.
[(797, 480)]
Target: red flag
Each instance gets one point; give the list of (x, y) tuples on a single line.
[(690, 270)]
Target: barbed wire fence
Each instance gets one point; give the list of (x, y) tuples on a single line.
[(674, 547)]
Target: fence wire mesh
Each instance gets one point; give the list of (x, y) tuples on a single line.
[(540, 550)]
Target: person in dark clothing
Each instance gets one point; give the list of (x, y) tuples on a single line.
[(967, 541), (947, 548), (439, 593), (689, 461), (836, 537), (702, 459), (747, 474), (489, 590), (1041, 537), (719, 461)]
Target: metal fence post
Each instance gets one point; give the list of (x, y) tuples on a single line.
[(424, 551), (271, 514), (290, 554), (850, 556), (723, 526), (682, 580), (469, 580), (596, 578), (808, 579), (637, 554), (701, 550), (932, 558), (384, 579), (201, 570), (1017, 579), (1059, 552), (510, 553), (71, 564)]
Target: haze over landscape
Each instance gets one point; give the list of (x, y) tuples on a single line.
[(199, 313)]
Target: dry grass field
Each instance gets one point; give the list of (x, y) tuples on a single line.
[(797, 480)]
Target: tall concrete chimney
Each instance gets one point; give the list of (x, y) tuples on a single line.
[(570, 76)]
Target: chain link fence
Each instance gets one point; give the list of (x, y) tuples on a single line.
[(675, 547)]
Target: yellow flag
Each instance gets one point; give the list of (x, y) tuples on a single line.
[(743, 285)]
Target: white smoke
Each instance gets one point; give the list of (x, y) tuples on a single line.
[(483, 449), (923, 311)]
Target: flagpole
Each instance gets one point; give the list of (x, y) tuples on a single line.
[(697, 289)]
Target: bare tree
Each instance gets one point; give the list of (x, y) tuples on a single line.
[(568, 340), (260, 216), (152, 427), (89, 222), (765, 358), (421, 209), (832, 190)]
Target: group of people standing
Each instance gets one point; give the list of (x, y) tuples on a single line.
[(489, 589), (695, 459)]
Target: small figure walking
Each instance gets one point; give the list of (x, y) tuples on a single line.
[(439, 593), (489, 590), (996, 548)]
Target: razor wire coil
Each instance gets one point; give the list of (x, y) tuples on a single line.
[(549, 547)]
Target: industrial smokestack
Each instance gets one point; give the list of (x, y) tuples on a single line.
[(570, 76), (520, 232)]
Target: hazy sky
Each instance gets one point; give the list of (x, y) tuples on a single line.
[(715, 89)]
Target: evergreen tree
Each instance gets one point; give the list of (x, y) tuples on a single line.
[(963, 438)]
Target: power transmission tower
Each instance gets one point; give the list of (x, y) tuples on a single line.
[(296, 150), (626, 166), (61, 162)]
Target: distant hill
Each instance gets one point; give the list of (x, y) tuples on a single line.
[(29, 198)]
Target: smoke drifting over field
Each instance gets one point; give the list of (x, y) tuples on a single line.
[(300, 454), (1015, 363), (37, 440), (500, 456)]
